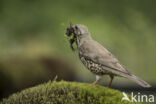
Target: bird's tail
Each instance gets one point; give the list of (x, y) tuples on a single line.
[(138, 80)]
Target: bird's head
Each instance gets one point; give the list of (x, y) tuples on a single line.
[(78, 30)]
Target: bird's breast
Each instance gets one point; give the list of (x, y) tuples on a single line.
[(93, 67)]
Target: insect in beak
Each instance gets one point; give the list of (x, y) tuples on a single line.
[(69, 32)]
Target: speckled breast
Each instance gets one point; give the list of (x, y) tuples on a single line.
[(93, 67)]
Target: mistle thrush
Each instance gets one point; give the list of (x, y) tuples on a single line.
[(97, 58)]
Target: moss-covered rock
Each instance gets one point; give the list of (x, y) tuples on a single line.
[(66, 93)]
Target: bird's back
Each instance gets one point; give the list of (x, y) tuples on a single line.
[(97, 53)]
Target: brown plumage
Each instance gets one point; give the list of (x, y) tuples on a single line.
[(98, 59)]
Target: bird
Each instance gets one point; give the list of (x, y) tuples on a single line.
[(98, 59)]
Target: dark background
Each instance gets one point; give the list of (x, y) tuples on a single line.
[(33, 48)]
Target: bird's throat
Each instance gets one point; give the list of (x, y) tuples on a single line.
[(82, 39)]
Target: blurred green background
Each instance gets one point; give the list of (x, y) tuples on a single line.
[(33, 48)]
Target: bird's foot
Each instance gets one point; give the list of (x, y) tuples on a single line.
[(94, 83), (109, 86)]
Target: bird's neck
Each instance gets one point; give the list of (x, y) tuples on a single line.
[(81, 40)]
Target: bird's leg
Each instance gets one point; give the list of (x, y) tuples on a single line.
[(110, 83), (97, 79)]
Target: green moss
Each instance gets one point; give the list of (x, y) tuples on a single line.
[(66, 93)]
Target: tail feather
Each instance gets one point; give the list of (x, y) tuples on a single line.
[(138, 80), (128, 75)]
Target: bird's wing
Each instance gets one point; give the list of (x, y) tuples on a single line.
[(97, 53)]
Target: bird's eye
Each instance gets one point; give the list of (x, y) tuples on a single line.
[(76, 27)]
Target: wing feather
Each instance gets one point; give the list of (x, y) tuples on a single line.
[(98, 54)]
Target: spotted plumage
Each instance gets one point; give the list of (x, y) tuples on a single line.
[(95, 68), (97, 58)]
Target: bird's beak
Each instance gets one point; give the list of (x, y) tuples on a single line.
[(69, 31)]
